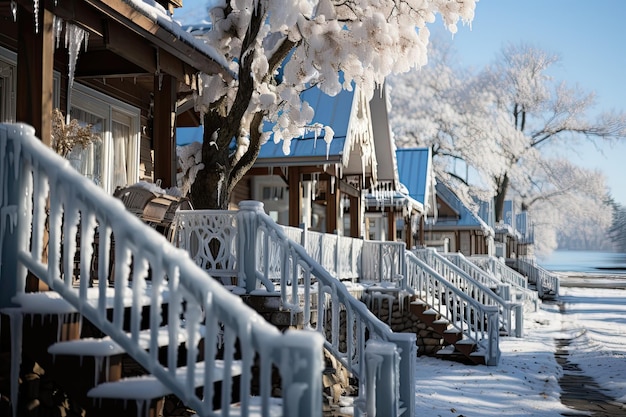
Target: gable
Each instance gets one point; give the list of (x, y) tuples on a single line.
[(352, 145), (414, 166)]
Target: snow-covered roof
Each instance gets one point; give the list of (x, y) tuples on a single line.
[(466, 218), (384, 144), (157, 13), (352, 137), (414, 170)]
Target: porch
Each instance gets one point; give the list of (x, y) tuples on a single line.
[(160, 297)]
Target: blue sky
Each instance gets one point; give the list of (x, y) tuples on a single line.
[(587, 35)]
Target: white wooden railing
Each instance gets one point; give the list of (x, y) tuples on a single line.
[(351, 259), (547, 283), (34, 180), (478, 322), (268, 260), (517, 281), (477, 286)]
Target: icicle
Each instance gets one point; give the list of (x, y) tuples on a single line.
[(98, 367), (74, 37), (140, 405), (160, 80), (14, 10), (57, 27), (36, 14)]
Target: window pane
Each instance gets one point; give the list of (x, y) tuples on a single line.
[(121, 153), (89, 160)]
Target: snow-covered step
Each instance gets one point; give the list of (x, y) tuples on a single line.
[(51, 302), (275, 408), (102, 347), (148, 387)]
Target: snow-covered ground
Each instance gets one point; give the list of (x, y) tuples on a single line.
[(525, 383)]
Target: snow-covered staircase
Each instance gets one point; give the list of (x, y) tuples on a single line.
[(471, 328), (479, 285), (148, 284)]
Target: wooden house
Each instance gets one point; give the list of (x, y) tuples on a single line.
[(124, 67), (456, 228), (329, 179), (417, 182)]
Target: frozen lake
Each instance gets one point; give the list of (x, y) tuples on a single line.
[(586, 262)]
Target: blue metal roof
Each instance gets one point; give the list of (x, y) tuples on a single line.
[(333, 111), (187, 135), (413, 171), (467, 219)]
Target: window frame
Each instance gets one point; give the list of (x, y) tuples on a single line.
[(111, 110)]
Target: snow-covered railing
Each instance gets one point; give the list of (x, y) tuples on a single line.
[(339, 255), (478, 322), (478, 274), (353, 259), (347, 313), (517, 281), (510, 314), (43, 196), (268, 260), (546, 282)]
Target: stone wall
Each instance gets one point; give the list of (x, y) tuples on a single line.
[(401, 320)]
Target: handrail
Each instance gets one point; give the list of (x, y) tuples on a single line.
[(517, 281), (34, 178), (546, 282), (478, 274), (300, 277), (270, 259), (477, 289), (352, 259), (478, 322)]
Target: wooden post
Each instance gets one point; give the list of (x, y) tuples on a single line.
[(164, 132), (391, 224), (333, 199), (408, 222), (35, 62), (355, 216), (422, 232), (295, 197)]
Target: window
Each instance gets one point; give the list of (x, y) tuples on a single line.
[(8, 85), (113, 160)]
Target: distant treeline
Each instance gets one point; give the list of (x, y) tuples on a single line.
[(617, 232)]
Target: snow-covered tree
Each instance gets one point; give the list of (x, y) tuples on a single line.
[(539, 111), (276, 49), (618, 227), (491, 134)]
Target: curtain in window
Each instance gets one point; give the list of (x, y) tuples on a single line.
[(121, 152), (89, 160)]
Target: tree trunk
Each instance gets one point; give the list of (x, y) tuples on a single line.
[(499, 198), (210, 190)]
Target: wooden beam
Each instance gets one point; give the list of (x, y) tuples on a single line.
[(35, 64), (164, 123), (131, 47), (355, 217), (333, 199), (295, 196), (348, 189), (158, 35), (106, 64), (391, 224)]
